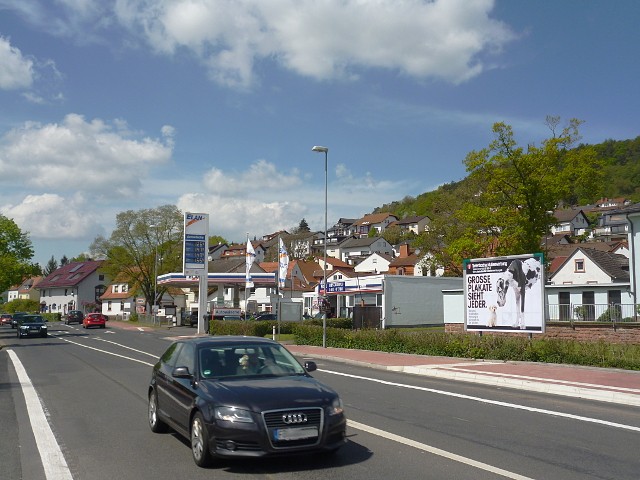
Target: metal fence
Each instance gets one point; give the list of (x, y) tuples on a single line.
[(614, 313)]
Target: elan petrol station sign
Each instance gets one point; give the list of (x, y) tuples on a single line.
[(196, 240)]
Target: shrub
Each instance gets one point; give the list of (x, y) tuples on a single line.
[(52, 317)]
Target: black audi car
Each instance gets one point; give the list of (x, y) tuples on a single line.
[(32, 325), (243, 397)]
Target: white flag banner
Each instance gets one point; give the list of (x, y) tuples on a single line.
[(251, 256), (283, 264)]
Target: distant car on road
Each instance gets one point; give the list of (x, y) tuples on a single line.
[(74, 316), (243, 397), (5, 319), (94, 320), (15, 320), (32, 325)]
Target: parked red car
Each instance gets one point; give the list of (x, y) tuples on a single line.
[(5, 319), (94, 320)]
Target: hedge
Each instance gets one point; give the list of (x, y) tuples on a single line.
[(548, 350)]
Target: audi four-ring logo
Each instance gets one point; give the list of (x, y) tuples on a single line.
[(290, 418)]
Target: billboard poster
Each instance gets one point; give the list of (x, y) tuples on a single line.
[(504, 294), (196, 244)]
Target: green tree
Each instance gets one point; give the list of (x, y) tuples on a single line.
[(51, 267), (217, 240), (16, 252), (522, 186), (83, 257), (144, 243), (22, 305), (303, 227), (64, 261)]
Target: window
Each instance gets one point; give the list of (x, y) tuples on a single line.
[(109, 305), (101, 278), (614, 297), (579, 265)]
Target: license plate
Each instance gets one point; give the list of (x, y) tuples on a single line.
[(295, 433)]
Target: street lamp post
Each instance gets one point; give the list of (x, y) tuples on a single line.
[(155, 279), (324, 150)]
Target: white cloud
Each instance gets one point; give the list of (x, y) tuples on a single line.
[(324, 40), (260, 173), (84, 156), (333, 39), (16, 71), (53, 216)]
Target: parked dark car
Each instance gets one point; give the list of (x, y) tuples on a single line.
[(193, 319), (17, 316), (74, 316), (243, 397), (32, 325), (267, 316)]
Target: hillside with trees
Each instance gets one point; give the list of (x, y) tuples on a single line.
[(504, 206)]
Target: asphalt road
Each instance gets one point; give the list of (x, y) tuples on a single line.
[(93, 384)]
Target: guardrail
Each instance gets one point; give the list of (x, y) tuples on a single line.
[(607, 313)]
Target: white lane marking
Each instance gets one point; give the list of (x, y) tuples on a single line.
[(436, 451), (491, 402), (55, 466), (109, 353), (124, 346)]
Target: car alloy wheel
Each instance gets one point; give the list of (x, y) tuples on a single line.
[(156, 425), (200, 442)]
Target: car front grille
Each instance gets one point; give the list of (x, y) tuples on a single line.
[(293, 420)]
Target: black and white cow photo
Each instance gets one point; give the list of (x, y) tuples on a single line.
[(519, 278)]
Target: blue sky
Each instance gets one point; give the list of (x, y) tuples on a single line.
[(214, 106)]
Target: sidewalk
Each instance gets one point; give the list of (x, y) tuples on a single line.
[(601, 384)]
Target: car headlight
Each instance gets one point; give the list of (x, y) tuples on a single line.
[(233, 414), (336, 407)]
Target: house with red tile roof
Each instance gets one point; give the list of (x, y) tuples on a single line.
[(74, 286)]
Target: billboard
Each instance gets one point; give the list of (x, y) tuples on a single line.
[(196, 244), (504, 294)]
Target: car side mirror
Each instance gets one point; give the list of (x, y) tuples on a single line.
[(181, 372), (310, 366)]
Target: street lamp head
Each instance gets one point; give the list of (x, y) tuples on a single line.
[(318, 148)]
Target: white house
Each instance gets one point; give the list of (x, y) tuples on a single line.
[(374, 263), (588, 284), (354, 250), (375, 221), (571, 222), (74, 286), (417, 224)]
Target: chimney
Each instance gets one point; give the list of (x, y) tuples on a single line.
[(404, 250)]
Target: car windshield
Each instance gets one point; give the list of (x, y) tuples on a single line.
[(242, 360), (32, 319)]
